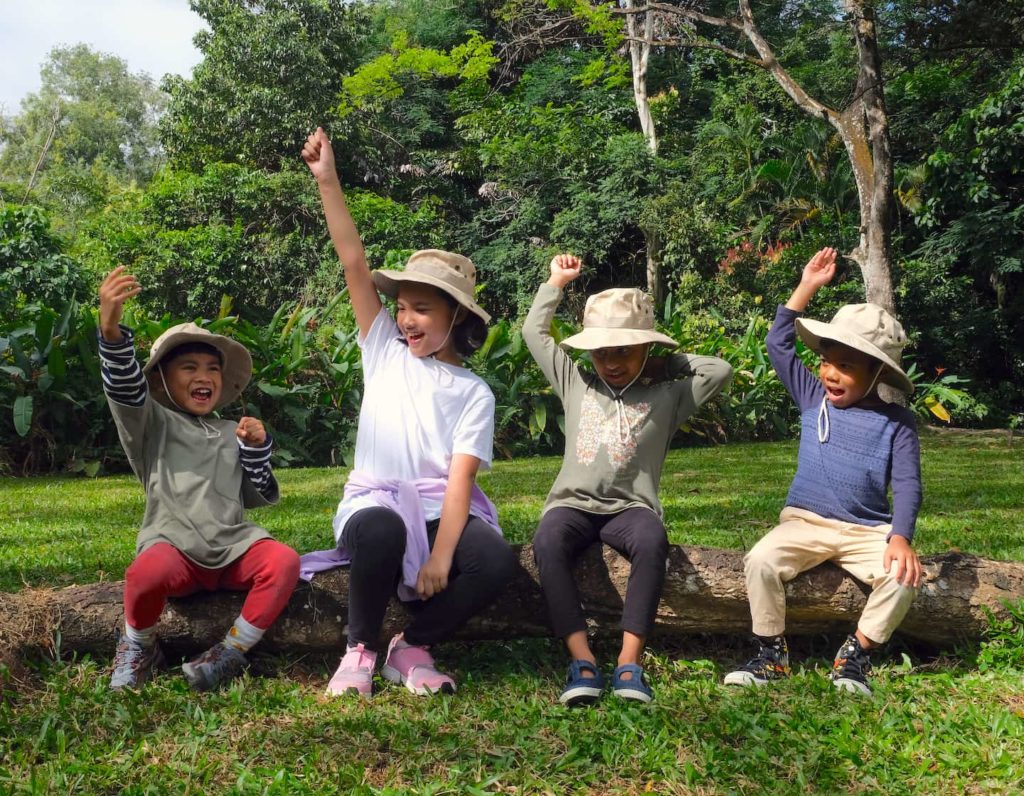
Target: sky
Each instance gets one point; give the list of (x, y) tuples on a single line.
[(153, 36)]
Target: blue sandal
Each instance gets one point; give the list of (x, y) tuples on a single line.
[(580, 690), (635, 688)]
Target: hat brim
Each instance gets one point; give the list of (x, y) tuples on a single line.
[(813, 332), (236, 365), (604, 337), (387, 282)]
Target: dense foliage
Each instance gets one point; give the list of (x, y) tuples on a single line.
[(508, 131)]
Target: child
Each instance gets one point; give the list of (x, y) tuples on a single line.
[(618, 428), (199, 472), (852, 445), (412, 516)]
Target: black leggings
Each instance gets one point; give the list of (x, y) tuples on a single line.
[(636, 533), (375, 538)]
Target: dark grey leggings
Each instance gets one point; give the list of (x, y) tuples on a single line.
[(636, 533), (375, 538)]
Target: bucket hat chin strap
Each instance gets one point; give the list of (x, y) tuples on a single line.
[(621, 418), (209, 430), (823, 428)]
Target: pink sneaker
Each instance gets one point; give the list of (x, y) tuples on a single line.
[(354, 674), (414, 667)]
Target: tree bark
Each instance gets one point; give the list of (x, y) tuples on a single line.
[(704, 593)]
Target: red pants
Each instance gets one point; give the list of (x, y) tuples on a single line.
[(268, 570)]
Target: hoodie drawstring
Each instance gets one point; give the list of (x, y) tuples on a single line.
[(621, 417)]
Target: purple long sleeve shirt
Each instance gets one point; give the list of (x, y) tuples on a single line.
[(847, 476)]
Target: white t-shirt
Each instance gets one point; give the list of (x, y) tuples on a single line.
[(416, 414)]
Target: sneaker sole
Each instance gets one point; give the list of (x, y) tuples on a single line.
[(851, 686), (744, 678), (633, 695), (392, 675), (580, 695), (351, 690)]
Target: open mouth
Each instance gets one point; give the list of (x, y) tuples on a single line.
[(201, 394), (414, 337), (835, 393)]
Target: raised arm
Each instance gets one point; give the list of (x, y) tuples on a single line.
[(799, 382), (319, 156), (557, 366)]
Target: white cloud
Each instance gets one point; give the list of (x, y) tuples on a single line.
[(153, 36)]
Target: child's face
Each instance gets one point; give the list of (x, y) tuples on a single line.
[(194, 381), (619, 365), (846, 374), (424, 317)]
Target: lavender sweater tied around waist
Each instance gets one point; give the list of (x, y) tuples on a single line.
[(406, 499), (845, 473)]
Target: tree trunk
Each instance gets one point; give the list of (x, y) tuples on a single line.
[(863, 126), (639, 56), (704, 593)]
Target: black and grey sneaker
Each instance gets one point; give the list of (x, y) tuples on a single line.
[(215, 666), (851, 668), (771, 663), (134, 663)]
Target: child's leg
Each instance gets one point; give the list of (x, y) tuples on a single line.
[(562, 534), (800, 541), (481, 566), (375, 538), (639, 535), (159, 572), (269, 570), (862, 555)]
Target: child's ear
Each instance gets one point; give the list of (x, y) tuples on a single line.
[(156, 384)]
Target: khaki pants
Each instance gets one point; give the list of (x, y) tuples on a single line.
[(803, 540)]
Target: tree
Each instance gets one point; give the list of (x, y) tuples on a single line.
[(270, 73), (862, 125), (91, 115)]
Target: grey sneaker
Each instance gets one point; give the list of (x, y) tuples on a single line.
[(851, 668), (215, 666), (134, 663)]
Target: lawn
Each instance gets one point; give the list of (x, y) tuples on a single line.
[(949, 724)]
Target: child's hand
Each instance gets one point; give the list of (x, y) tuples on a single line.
[(819, 270), (908, 565), (319, 155), (433, 577), (251, 432), (116, 288), (564, 269)]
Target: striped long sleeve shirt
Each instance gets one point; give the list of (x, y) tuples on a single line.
[(199, 477)]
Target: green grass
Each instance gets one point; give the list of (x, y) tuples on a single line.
[(61, 530), (935, 726)]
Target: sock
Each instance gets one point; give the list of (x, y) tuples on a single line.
[(144, 638), (242, 636)]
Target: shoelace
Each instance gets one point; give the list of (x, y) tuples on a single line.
[(854, 662)]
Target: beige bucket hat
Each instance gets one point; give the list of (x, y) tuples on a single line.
[(619, 316), (236, 365), (867, 328), (452, 273)]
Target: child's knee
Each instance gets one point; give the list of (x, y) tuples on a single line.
[(548, 543), (760, 561)]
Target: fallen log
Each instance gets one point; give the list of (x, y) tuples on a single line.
[(704, 593)]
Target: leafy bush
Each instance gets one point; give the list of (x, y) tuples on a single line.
[(33, 266), (58, 416), (528, 415)]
